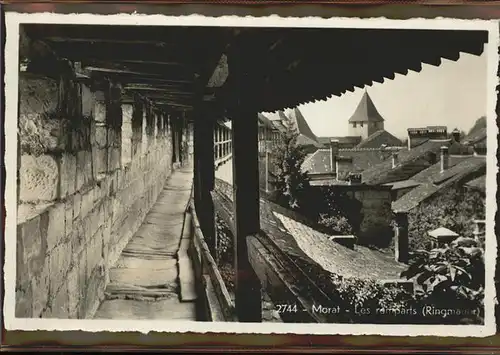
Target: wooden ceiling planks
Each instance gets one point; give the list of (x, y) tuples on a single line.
[(288, 67)]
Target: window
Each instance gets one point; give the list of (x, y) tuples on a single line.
[(354, 125)]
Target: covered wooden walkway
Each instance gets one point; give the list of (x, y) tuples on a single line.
[(153, 278)]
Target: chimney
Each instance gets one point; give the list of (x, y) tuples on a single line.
[(334, 151), (401, 237), (456, 135), (354, 178), (445, 158), (395, 159)]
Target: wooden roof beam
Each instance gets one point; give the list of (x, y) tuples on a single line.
[(158, 91)]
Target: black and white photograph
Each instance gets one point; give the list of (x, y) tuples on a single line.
[(265, 175)]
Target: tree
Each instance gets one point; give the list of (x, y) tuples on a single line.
[(291, 182), (451, 278)]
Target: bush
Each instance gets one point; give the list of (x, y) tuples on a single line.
[(359, 300), (452, 278), (450, 285), (339, 224), (225, 245), (332, 209), (454, 209)]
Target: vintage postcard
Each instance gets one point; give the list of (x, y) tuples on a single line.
[(250, 175)]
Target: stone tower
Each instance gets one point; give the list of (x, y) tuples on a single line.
[(365, 120)]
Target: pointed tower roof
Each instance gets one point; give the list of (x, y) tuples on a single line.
[(366, 111), (306, 136)]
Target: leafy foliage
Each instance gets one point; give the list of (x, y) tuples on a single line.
[(332, 209), (362, 301), (225, 252), (451, 277), (454, 209)]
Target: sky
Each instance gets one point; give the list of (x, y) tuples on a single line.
[(452, 94)]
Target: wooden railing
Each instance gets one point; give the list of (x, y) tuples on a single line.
[(280, 276), (214, 296)]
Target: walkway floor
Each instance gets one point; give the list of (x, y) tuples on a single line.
[(153, 278)]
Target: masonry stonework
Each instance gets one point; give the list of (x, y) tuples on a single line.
[(78, 205), (376, 216)]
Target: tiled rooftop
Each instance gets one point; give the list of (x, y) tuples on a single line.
[(478, 184), (403, 184), (362, 262), (319, 161), (265, 122), (434, 180), (410, 163), (375, 140), (306, 136), (414, 197), (433, 173), (298, 238), (366, 111)]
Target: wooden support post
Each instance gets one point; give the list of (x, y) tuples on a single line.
[(246, 211), (401, 237), (204, 171)]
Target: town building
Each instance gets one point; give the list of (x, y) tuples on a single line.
[(366, 128)]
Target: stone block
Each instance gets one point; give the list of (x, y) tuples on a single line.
[(67, 181), (69, 217), (101, 160), (81, 133), (117, 211), (87, 204), (78, 238), (94, 253), (114, 158), (56, 230), (94, 291), (22, 269), (24, 299), (81, 266), (40, 285), (88, 167), (87, 101), (60, 259), (74, 291), (96, 217), (37, 94), (99, 111), (59, 305), (119, 179), (94, 163), (101, 136), (31, 238), (84, 168), (38, 131), (39, 178), (77, 204)]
